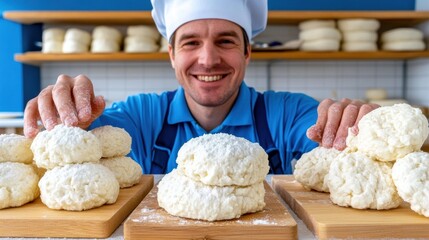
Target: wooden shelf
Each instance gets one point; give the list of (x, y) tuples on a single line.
[(37, 58)]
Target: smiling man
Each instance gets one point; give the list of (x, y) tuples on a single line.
[(209, 52)]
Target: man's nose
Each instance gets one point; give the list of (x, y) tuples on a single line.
[(209, 55)]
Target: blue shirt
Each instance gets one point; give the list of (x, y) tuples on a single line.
[(289, 115)]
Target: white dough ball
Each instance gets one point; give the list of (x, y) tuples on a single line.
[(358, 24), (183, 197), (390, 132), (104, 46), (107, 33), (127, 171), (18, 184), (314, 23), (114, 141), (52, 47), (311, 169), (410, 175), (320, 33), (320, 45), (70, 46), (78, 35), (65, 145), (53, 34), (410, 45), (223, 159), (144, 31), (402, 34), (78, 187), (355, 180), (15, 148), (360, 36), (359, 46)]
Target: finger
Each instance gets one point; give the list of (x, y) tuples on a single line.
[(98, 105), (83, 93), (333, 121), (31, 116), (364, 109), (63, 100), (347, 120), (47, 110), (315, 132)]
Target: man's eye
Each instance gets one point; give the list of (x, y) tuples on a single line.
[(190, 43)]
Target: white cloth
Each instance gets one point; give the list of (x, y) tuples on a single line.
[(169, 15)]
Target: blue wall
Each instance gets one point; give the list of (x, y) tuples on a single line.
[(20, 82)]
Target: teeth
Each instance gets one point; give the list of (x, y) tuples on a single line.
[(209, 78)]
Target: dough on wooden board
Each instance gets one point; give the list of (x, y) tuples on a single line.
[(127, 171), (411, 177), (18, 184), (181, 196), (114, 141), (78, 187), (223, 159), (65, 145), (15, 148)]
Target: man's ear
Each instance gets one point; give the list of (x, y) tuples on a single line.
[(171, 54), (248, 53)]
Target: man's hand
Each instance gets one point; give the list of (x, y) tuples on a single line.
[(70, 101), (334, 120)]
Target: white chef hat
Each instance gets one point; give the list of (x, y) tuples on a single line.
[(251, 15)]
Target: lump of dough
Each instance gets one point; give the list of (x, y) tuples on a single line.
[(390, 132), (410, 175), (65, 145), (360, 182), (223, 160), (18, 184), (312, 168), (114, 141), (15, 148), (127, 171), (77, 187), (315, 23), (183, 197)]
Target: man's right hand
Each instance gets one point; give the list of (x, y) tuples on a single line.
[(70, 101)]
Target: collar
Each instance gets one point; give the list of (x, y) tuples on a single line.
[(240, 114)]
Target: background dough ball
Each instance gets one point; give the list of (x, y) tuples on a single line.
[(104, 46), (15, 148), (357, 181), (114, 141), (52, 47), (312, 24), (320, 33), (77, 35), (312, 168), (402, 34), (53, 34), (183, 197), (391, 132), (360, 36), (18, 184), (105, 32), (70, 46), (410, 175), (126, 170), (411, 45), (359, 46), (320, 45), (65, 145), (144, 31), (358, 24), (222, 160), (77, 187)]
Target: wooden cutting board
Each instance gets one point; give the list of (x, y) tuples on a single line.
[(149, 221), (328, 221), (36, 220)]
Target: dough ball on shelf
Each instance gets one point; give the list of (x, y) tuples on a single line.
[(104, 46), (53, 34), (410, 45), (78, 35), (401, 35), (359, 46), (360, 36), (314, 23), (320, 45), (144, 31), (70, 46), (320, 33), (358, 24), (109, 33), (52, 47)]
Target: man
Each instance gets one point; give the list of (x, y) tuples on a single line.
[(209, 51)]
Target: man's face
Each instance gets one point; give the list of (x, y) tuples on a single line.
[(209, 61)]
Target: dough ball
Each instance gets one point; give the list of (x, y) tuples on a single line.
[(390, 132), (52, 47), (320, 33), (311, 169), (222, 160), (77, 35), (144, 31), (127, 171), (114, 141), (104, 46), (77, 187), (18, 184), (410, 175), (70, 46), (312, 24), (107, 33), (320, 45), (15, 148), (53, 34), (65, 145), (411, 45), (360, 36), (358, 24), (360, 182), (359, 46), (402, 34), (183, 197)]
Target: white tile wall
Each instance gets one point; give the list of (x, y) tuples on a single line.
[(320, 79)]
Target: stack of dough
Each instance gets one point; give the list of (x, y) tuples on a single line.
[(52, 40), (105, 40), (163, 45), (76, 41), (75, 180), (319, 35), (403, 39), (115, 144), (218, 177), (18, 179), (359, 34), (142, 38)]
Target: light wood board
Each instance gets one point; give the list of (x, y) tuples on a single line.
[(36, 220), (327, 220), (149, 221)]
